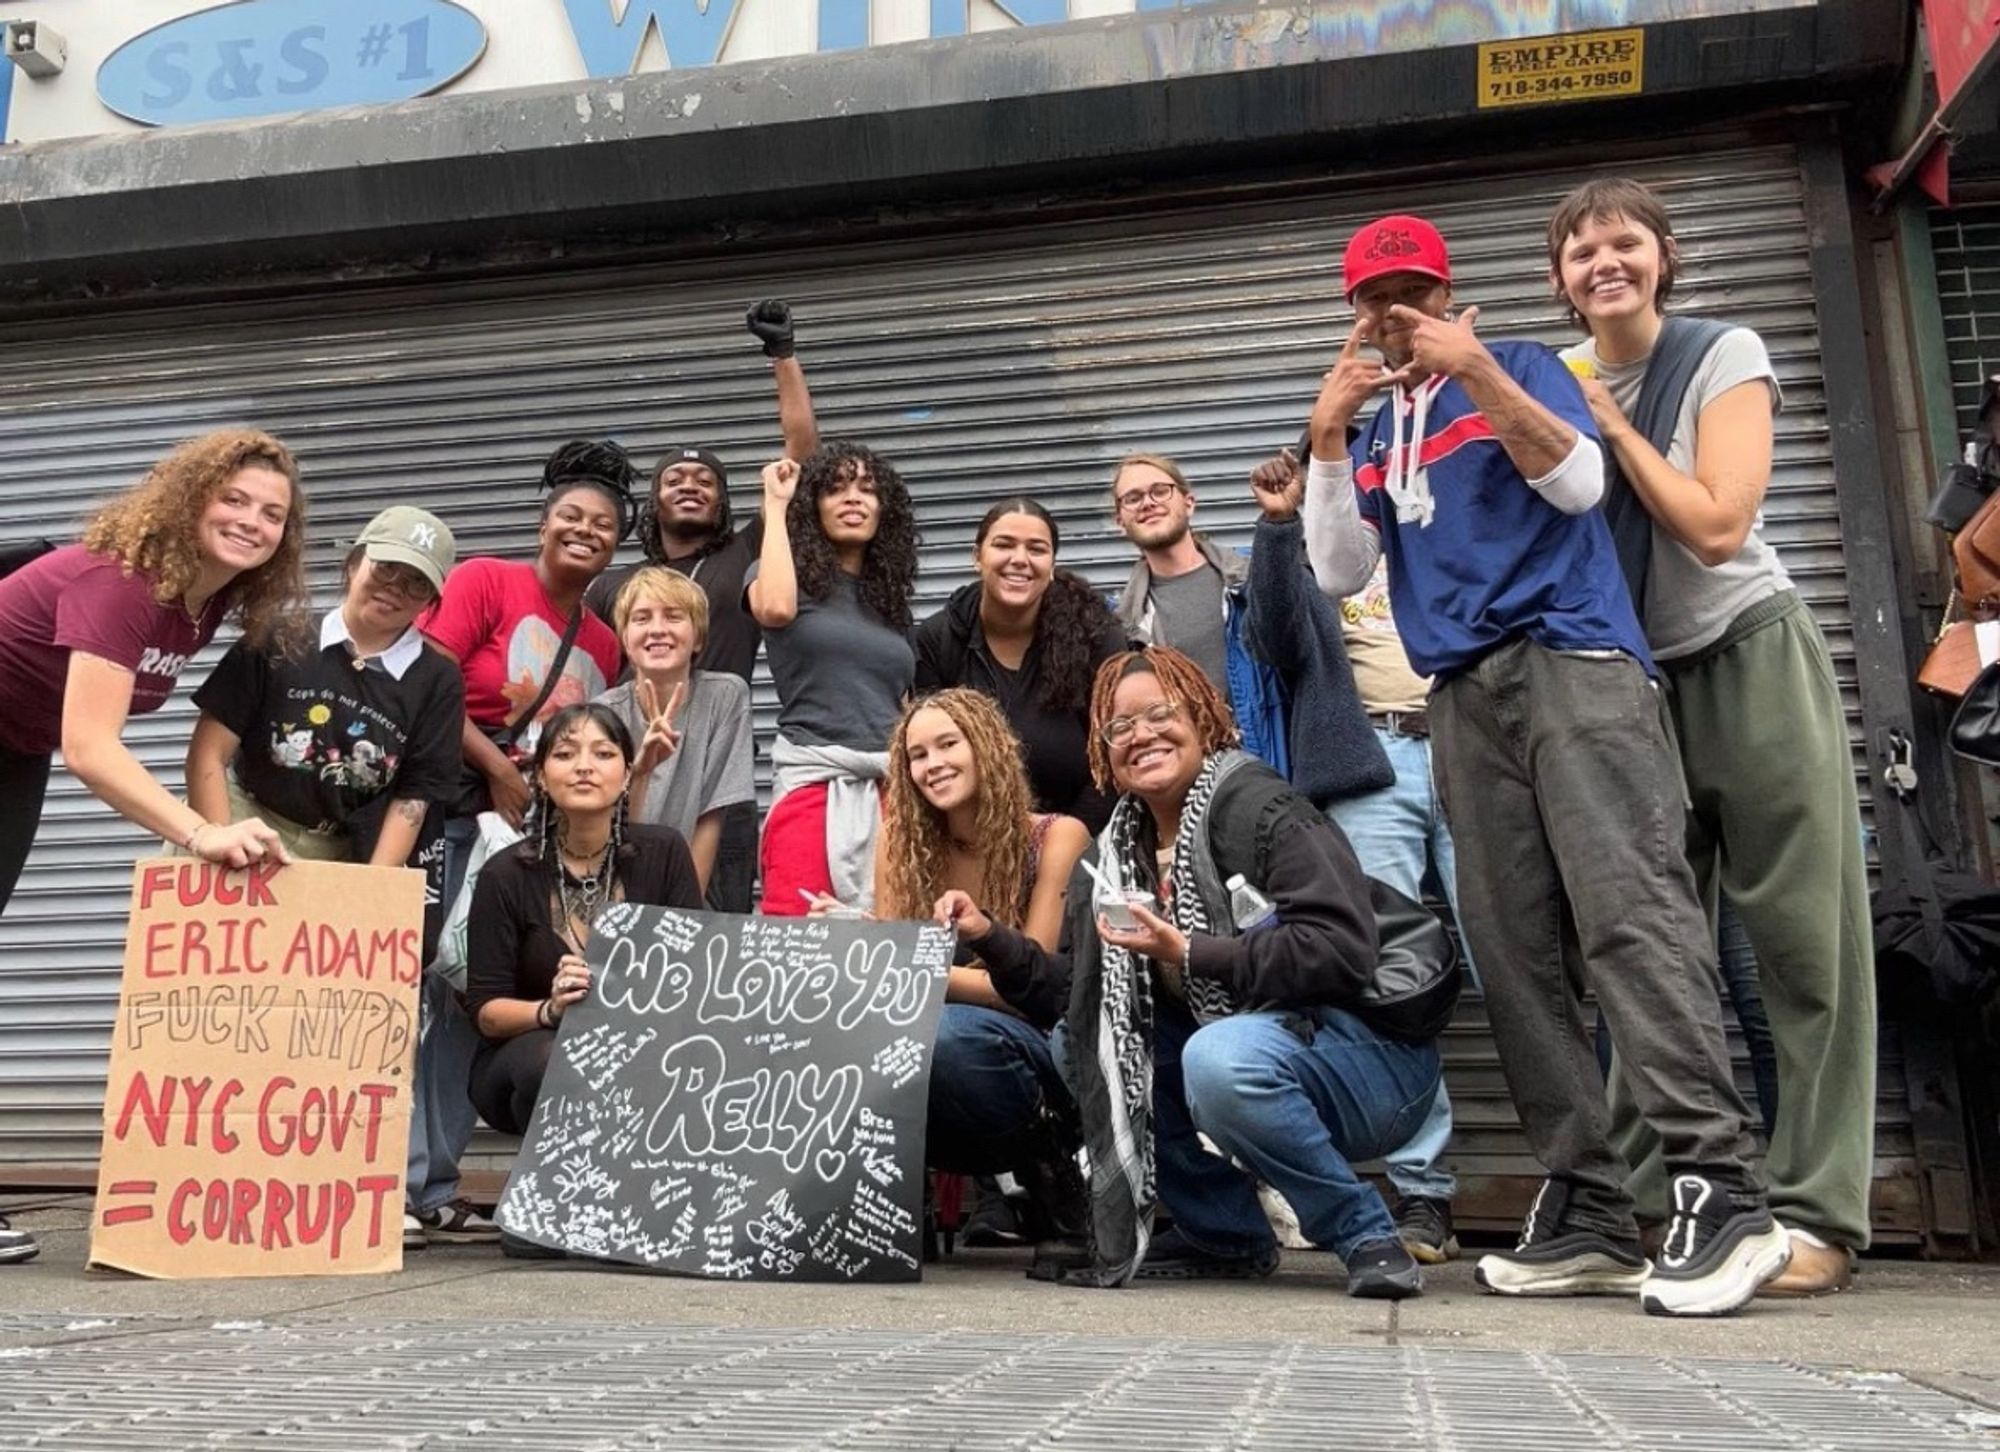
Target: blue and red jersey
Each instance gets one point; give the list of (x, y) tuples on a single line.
[(1477, 557)]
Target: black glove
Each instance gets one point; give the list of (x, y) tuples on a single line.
[(771, 321)]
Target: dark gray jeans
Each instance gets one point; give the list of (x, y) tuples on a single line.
[(1566, 806)]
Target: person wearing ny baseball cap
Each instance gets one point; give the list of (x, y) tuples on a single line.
[(687, 527), (1477, 479), (349, 747)]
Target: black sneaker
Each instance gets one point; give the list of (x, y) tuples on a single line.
[(1424, 1227), (1383, 1270), (1171, 1257), (1551, 1261), (1717, 1252), (16, 1245)]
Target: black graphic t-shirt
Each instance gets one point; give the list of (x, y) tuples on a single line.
[(324, 734)]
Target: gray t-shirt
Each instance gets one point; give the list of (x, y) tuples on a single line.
[(1187, 615), (841, 672), (1688, 604), (716, 763)]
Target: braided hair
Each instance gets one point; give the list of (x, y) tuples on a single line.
[(1205, 711), (543, 825), (600, 464)]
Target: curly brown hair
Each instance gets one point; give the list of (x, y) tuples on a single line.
[(1202, 706), (155, 527), (916, 841), (888, 564)]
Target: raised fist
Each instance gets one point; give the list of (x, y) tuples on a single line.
[(771, 321)]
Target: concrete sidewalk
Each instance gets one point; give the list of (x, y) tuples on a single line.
[(1939, 1324)]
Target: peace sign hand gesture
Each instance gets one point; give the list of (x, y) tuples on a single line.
[(661, 739)]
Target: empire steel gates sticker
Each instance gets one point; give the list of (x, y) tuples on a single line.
[(1585, 66), (256, 1121)]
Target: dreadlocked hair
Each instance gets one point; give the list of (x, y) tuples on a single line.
[(1073, 618), (543, 825), (888, 564), (600, 464), (156, 527), (1202, 706), (915, 843)]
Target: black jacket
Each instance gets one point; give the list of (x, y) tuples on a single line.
[(951, 651), (1321, 951)]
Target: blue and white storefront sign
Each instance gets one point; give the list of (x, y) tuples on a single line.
[(265, 57)]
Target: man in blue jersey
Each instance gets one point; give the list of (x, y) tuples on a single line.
[(1478, 481)]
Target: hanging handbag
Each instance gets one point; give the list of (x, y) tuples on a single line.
[(1975, 726), (1953, 660), (1975, 550), (473, 796)]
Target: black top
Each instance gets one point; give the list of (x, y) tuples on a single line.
[(733, 632), (512, 947), (323, 739), (1322, 949), (951, 651)]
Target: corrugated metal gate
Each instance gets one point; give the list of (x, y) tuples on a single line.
[(985, 360)]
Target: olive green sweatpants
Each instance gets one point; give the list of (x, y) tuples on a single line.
[(1774, 823)]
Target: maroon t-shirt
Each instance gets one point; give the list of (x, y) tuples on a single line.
[(71, 600)]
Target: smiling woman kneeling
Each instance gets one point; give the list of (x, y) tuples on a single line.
[(534, 904), (1277, 1027)]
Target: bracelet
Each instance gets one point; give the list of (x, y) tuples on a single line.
[(194, 833), (543, 1017)]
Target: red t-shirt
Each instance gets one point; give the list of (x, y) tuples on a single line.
[(70, 600), (496, 618)]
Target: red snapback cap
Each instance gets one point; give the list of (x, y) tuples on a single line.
[(1394, 244)]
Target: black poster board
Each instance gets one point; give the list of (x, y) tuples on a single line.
[(739, 1097)]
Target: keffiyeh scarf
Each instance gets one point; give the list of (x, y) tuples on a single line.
[(1111, 1021)]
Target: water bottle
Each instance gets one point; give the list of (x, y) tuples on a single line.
[(1249, 909)]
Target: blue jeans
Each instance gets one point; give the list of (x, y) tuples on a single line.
[(1399, 834), (441, 1114), (990, 1072), (1295, 1112)]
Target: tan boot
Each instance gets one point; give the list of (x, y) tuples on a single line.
[(1817, 1268)]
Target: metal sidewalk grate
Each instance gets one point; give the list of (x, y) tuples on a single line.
[(87, 1383)]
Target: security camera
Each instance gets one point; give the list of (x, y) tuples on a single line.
[(35, 48)]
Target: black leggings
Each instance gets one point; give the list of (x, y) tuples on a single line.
[(24, 784), (507, 1079)]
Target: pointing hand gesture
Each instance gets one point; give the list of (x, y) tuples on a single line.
[(661, 739), (1353, 380), (1441, 345)]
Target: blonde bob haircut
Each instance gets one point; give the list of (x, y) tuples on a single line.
[(669, 589)]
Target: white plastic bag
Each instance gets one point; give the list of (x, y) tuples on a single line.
[(494, 836)]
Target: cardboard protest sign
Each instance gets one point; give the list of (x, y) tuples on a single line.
[(258, 1114), (739, 1097)]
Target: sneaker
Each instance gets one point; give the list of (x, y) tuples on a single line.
[(16, 1245), (1716, 1253), (1383, 1270), (1818, 1267), (1172, 1257), (1551, 1261), (459, 1224), (1424, 1227), (415, 1237)]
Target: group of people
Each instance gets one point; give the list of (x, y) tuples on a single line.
[(1508, 633)]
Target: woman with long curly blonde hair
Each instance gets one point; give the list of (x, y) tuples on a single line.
[(959, 815), (99, 631)]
